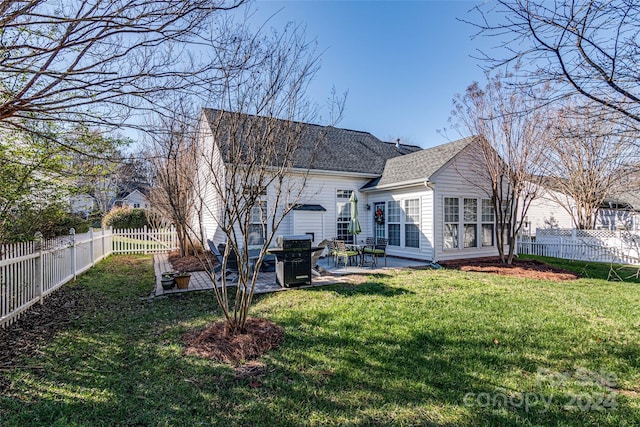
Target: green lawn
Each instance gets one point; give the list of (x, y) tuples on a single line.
[(420, 347)]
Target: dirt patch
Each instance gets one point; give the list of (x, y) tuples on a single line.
[(213, 343), (531, 269), (191, 263)]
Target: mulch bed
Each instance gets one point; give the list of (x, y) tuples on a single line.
[(532, 269), (213, 342), (190, 263)]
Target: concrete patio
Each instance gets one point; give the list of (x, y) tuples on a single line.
[(267, 281)]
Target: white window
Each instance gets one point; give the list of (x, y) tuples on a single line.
[(476, 223), (258, 223), (412, 223), (488, 223), (451, 219), (393, 222), (470, 223), (343, 216)]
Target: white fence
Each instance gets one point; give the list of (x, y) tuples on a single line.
[(144, 241), (30, 271), (608, 246)]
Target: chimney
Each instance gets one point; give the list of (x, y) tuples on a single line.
[(398, 143)]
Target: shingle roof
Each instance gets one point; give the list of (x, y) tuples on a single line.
[(420, 165), (340, 150)]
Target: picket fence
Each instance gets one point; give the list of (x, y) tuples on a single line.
[(32, 270), (607, 246)]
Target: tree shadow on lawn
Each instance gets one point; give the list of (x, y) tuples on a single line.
[(345, 376), (368, 287)]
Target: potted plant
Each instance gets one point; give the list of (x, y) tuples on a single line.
[(182, 280), (167, 279)]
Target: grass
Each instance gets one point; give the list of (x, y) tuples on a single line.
[(417, 347)]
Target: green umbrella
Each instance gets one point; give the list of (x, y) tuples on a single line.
[(354, 224)]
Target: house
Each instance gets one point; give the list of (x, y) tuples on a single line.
[(429, 203), (137, 198), (549, 210)]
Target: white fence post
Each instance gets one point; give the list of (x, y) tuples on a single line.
[(91, 250), (72, 247), (146, 237), (112, 240), (560, 248), (39, 268)]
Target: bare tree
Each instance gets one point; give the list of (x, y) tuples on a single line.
[(173, 159), (255, 155), (95, 164), (587, 160), (101, 64), (512, 129), (97, 62), (586, 47)]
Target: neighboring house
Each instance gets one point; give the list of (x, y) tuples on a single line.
[(137, 198), (546, 212), (428, 203), (616, 213)]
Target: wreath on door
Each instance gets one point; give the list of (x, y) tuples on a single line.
[(379, 216)]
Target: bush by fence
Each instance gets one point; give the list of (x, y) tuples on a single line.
[(126, 217)]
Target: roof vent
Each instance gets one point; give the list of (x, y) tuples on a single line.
[(398, 143)]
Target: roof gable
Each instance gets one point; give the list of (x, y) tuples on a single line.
[(420, 165)]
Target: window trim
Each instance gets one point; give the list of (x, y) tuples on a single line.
[(485, 221), (395, 222), (456, 223), (342, 197), (409, 221), (262, 206), (468, 211)]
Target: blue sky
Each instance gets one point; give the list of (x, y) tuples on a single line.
[(401, 61)]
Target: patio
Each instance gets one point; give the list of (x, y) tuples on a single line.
[(267, 281)]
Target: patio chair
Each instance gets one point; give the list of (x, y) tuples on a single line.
[(331, 250), (376, 249), (343, 253), (218, 268), (367, 251)]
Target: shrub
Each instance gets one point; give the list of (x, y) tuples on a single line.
[(125, 218), (21, 223)]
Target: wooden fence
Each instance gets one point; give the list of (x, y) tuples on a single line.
[(30, 271)]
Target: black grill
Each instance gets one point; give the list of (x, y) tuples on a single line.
[(293, 260)]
